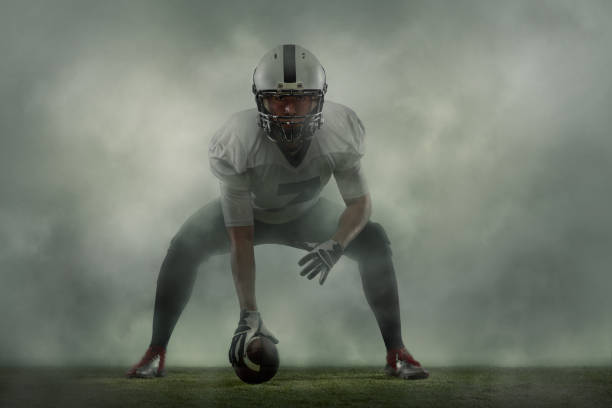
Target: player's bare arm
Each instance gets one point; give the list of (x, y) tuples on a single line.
[(242, 258), (353, 219), (321, 258)]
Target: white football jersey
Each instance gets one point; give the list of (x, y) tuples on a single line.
[(257, 181)]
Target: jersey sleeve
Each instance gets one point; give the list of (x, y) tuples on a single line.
[(236, 206), (227, 160), (225, 166), (347, 172), (350, 180)]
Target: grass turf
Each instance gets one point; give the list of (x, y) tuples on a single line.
[(308, 387)]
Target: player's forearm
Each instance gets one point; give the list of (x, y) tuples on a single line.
[(353, 219), (243, 270)]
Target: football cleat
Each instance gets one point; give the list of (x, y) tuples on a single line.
[(146, 368), (400, 363)]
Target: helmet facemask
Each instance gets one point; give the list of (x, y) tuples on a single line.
[(290, 129)]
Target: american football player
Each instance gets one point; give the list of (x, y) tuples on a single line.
[(272, 163)]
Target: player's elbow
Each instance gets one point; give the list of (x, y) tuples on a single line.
[(241, 234), (363, 203)]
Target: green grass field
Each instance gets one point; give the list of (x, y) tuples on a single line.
[(308, 387)]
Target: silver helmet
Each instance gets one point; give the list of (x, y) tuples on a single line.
[(289, 70)]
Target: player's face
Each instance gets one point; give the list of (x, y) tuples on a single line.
[(295, 105), (287, 106)]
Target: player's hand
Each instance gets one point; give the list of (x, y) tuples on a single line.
[(321, 259), (249, 326)]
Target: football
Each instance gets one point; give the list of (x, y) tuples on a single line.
[(260, 363)]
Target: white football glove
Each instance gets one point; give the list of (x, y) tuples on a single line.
[(249, 326), (321, 259)]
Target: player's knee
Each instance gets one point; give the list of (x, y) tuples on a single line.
[(188, 245), (373, 240)]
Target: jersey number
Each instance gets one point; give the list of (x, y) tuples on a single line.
[(305, 190)]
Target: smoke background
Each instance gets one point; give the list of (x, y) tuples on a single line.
[(488, 158)]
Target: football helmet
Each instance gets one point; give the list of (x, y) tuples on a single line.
[(292, 73)]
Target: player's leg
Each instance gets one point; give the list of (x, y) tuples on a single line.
[(372, 251), (201, 236)]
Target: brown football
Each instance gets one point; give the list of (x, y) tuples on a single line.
[(261, 362)]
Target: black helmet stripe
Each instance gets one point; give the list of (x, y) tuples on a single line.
[(289, 62)]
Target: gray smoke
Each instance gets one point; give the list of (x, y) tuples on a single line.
[(488, 158)]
